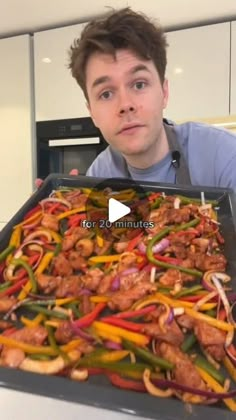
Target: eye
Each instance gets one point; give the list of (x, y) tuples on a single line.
[(106, 95), (140, 85)]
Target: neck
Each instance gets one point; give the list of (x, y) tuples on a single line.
[(152, 155)]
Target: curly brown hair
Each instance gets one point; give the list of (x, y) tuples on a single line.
[(120, 29)]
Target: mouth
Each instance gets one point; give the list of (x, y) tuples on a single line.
[(130, 128)]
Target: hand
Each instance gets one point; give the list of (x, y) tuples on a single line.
[(38, 182)]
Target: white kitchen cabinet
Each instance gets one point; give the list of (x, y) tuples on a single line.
[(198, 71), (17, 127), (233, 70), (57, 94)]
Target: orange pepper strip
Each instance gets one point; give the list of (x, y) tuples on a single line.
[(137, 338), (32, 322), (70, 212), (30, 219)]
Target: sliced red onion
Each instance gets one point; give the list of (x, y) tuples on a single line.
[(82, 334), (55, 200), (115, 285), (128, 271), (161, 246), (170, 317), (112, 345), (142, 248), (85, 292)]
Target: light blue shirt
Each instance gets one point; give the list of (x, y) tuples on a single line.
[(210, 153)]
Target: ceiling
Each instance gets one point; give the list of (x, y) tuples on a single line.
[(27, 16)]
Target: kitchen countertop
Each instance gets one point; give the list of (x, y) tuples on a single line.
[(25, 406)]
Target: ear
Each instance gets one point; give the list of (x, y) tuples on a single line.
[(91, 114), (165, 88)]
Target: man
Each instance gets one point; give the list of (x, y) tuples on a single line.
[(119, 62)]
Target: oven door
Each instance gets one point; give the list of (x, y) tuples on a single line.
[(62, 155)]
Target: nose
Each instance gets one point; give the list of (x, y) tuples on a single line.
[(126, 104)]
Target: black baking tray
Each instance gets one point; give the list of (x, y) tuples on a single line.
[(97, 391)]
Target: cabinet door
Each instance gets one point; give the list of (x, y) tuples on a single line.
[(16, 139), (198, 72), (233, 70), (57, 94)]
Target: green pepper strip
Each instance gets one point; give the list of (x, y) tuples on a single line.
[(133, 370), (153, 260), (48, 312), (148, 356), (75, 310), (156, 203), (6, 252), (5, 285), (19, 262), (39, 357), (211, 312), (209, 368), (188, 343), (186, 200), (57, 249), (185, 226), (53, 344), (190, 291)]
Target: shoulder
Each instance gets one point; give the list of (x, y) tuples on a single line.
[(108, 164), (200, 133)]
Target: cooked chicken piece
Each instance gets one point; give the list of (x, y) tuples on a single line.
[(101, 250), (186, 321), (65, 332), (92, 278), (86, 306), (50, 221), (76, 198), (85, 247), (48, 284), (127, 260), (208, 335), (12, 357), (216, 351), (121, 246), (6, 303), (105, 284), (179, 251), (170, 277), (70, 240), (178, 216), (76, 261), (201, 244), (172, 333), (62, 266), (129, 280), (184, 371), (69, 286), (211, 262), (31, 335), (124, 300), (5, 324)]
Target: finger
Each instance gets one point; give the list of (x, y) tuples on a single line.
[(38, 182), (74, 172)]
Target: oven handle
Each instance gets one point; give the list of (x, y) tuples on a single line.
[(73, 142)]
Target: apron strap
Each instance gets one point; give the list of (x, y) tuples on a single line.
[(178, 158)]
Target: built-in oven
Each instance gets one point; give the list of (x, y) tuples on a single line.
[(63, 145)]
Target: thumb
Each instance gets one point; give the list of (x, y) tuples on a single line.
[(74, 172), (38, 182)]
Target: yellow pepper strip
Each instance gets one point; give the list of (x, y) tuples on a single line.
[(159, 298), (98, 299), (113, 356), (100, 241), (64, 301), (44, 262), (107, 336), (221, 325), (230, 367), (29, 348), (57, 238), (25, 290), (216, 387), (30, 219), (54, 324), (121, 332), (32, 322), (70, 212), (104, 258), (86, 191)]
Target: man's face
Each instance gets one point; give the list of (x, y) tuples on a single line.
[(126, 100)]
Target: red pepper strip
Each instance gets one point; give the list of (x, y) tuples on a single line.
[(194, 298), (175, 261), (53, 207), (222, 315), (87, 320), (75, 219), (134, 242), (220, 238), (134, 314), (232, 349), (95, 371), (15, 288), (153, 196), (32, 212), (9, 331), (193, 231), (120, 382), (131, 326)]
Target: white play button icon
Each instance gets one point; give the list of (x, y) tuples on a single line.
[(116, 210)]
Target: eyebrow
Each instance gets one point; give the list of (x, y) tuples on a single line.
[(104, 79)]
